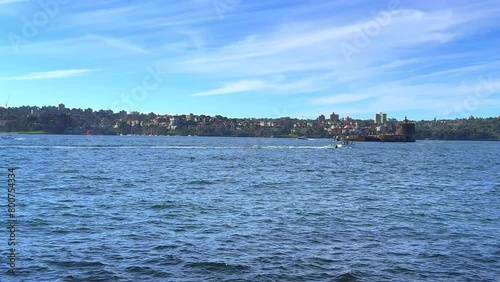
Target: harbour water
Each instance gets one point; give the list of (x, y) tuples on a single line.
[(156, 208)]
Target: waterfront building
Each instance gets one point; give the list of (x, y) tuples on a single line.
[(321, 118), (380, 118), (61, 108), (334, 117), (406, 129)]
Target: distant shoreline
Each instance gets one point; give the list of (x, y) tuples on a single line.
[(59, 120), (33, 132), (267, 137)]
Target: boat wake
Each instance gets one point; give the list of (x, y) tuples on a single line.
[(171, 147)]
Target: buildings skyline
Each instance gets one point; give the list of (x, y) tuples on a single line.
[(380, 118), (63, 120)]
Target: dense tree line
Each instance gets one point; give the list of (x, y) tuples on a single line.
[(460, 129)]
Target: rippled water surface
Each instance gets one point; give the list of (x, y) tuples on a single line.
[(140, 208)]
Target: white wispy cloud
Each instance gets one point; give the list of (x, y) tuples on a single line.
[(89, 45), (315, 34), (314, 46), (278, 84), (50, 74), (119, 44), (437, 98), (237, 87), (5, 2), (140, 16), (340, 99)]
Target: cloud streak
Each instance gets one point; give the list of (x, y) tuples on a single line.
[(58, 74), (340, 99), (5, 2), (237, 87)]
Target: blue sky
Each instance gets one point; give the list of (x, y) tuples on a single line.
[(242, 58)]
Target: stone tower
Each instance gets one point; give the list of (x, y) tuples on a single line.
[(407, 129)]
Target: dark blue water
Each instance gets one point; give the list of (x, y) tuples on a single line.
[(138, 208)]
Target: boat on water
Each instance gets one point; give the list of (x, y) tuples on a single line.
[(302, 138), (7, 137), (343, 145)]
